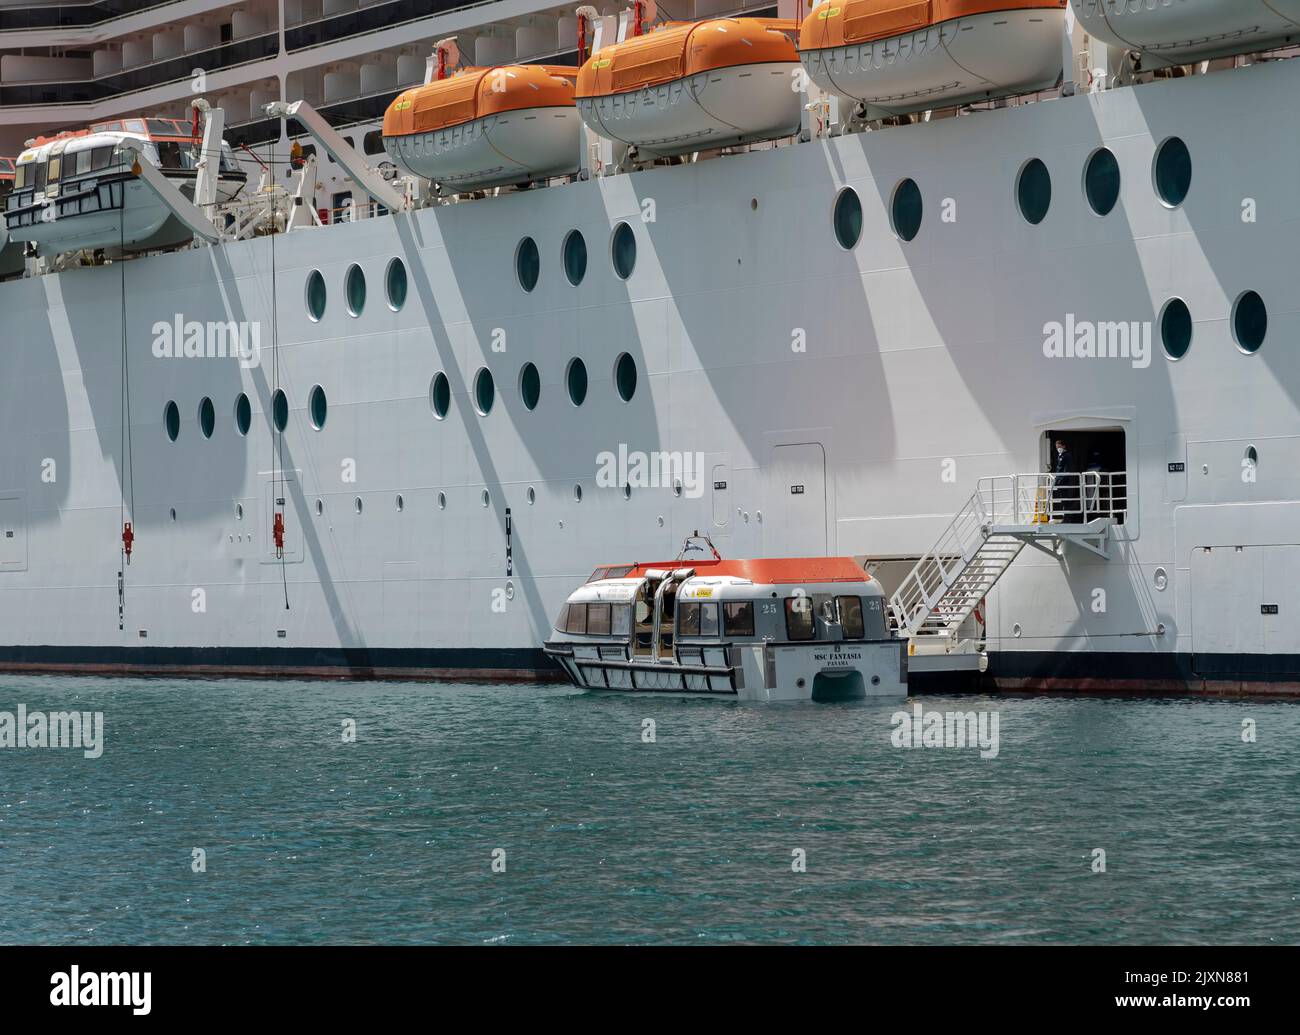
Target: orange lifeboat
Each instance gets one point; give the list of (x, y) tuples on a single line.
[(487, 127), (689, 86), (899, 56)]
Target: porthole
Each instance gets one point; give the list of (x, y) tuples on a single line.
[(576, 379), (317, 407), (440, 395), (485, 498), (625, 377), (847, 218), (1034, 191), (320, 507), (172, 513), (906, 210), (207, 417), (442, 501), (528, 264), (280, 409), (243, 414), (354, 288), (1251, 456), (1101, 181), (356, 504), (1172, 172), (532, 495), (1176, 328), (1249, 322), (315, 295), (575, 257), (677, 488), (622, 250), (530, 386), (485, 391), (239, 512), (399, 503), (395, 282), (172, 420), (577, 494), (627, 491)]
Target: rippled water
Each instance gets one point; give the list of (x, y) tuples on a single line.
[(610, 839)]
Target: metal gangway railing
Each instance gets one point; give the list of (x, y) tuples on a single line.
[(1004, 514)]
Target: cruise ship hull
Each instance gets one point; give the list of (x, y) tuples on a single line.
[(880, 382)]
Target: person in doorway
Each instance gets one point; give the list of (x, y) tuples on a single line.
[(1065, 483)]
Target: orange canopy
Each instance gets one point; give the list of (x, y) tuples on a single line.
[(681, 49), (477, 92), (833, 23)]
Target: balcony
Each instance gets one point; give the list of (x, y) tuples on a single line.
[(73, 16)]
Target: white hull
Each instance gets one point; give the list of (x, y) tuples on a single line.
[(1190, 30), (712, 109), (514, 147), (962, 60)]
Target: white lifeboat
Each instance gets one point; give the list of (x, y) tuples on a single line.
[(78, 191), (487, 127), (898, 57), (1172, 34), (691, 86)]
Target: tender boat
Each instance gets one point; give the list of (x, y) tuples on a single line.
[(78, 190), (1171, 34), (761, 630), (487, 127), (690, 86), (11, 252), (897, 57)]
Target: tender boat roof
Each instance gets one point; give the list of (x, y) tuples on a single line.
[(768, 571)]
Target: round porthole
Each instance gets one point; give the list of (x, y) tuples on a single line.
[(442, 501), (530, 386), (532, 495), (356, 504), (280, 409), (576, 379), (172, 513), (627, 491), (485, 391), (440, 395), (577, 494), (622, 248), (1176, 328), (1251, 456), (399, 503), (172, 420), (1034, 191), (1160, 579), (485, 499), (315, 295), (207, 417), (847, 218), (575, 257), (239, 512), (1172, 172), (317, 407), (1101, 181), (354, 288), (243, 414), (528, 264), (625, 377), (1249, 322), (395, 283), (320, 507), (907, 209)]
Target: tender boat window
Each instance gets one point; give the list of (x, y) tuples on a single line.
[(622, 623), (851, 617), (708, 619), (56, 169), (101, 158), (688, 618), (738, 618), (598, 574), (618, 572), (598, 621), (799, 622), (576, 622)]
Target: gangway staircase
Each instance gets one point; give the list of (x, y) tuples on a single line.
[(1005, 514)]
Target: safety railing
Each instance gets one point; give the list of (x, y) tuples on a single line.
[(1068, 498)]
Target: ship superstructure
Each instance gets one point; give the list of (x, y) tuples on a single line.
[(1022, 355)]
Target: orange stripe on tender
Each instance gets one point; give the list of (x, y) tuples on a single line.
[(478, 92), (682, 49), (769, 571), (833, 23)]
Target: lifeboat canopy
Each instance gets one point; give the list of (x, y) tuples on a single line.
[(692, 86), (901, 56), (487, 127), (1174, 34)]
